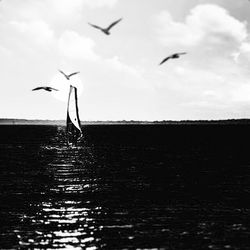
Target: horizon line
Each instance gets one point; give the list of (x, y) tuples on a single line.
[(149, 121)]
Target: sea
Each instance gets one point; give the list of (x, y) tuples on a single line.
[(125, 187)]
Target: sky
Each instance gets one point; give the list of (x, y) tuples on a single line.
[(120, 77)]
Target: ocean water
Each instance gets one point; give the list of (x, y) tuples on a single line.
[(125, 187)]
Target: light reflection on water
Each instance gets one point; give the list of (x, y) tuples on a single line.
[(69, 224), (119, 194), (66, 223)]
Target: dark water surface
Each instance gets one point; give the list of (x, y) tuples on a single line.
[(125, 187)]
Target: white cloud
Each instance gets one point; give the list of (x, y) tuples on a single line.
[(243, 55), (71, 11), (77, 47), (206, 24), (129, 76), (4, 51), (214, 73), (65, 6), (54, 12), (171, 32), (100, 3), (38, 31), (74, 46), (69, 6), (116, 64), (241, 94), (64, 10)]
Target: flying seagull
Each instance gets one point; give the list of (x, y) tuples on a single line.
[(106, 30), (68, 76), (45, 88), (173, 56)]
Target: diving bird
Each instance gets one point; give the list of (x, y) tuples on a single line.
[(45, 88), (173, 56), (68, 76), (106, 30)]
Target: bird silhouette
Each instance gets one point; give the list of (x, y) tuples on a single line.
[(106, 30), (68, 76), (45, 88), (173, 56)]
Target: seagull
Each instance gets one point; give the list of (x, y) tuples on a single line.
[(68, 76), (106, 30), (45, 88), (173, 56)]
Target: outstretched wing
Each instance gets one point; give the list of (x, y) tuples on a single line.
[(95, 26), (73, 74), (53, 89), (182, 53), (164, 60), (38, 88), (113, 24), (62, 73)]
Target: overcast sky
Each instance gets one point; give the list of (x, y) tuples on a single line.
[(120, 75)]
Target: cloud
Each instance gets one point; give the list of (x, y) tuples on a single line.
[(116, 64), (56, 12), (69, 6), (243, 55), (71, 11), (38, 31), (78, 47), (100, 3), (74, 46), (129, 76), (241, 94), (206, 24), (4, 51), (65, 6), (214, 72), (65, 11)]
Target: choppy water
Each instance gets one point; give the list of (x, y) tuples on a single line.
[(125, 187)]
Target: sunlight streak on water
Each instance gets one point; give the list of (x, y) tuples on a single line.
[(69, 224), (121, 193)]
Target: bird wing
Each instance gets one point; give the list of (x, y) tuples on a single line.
[(164, 60), (113, 24), (182, 53), (95, 26), (53, 89), (73, 74), (63, 73), (38, 88)]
